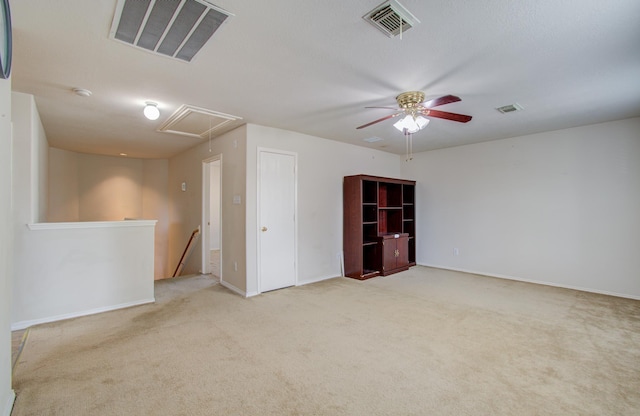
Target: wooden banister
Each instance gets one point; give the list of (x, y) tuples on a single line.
[(187, 251)]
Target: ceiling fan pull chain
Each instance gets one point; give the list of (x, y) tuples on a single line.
[(408, 137), (407, 140)]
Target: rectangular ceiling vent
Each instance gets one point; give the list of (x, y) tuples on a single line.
[(511, 108), (391, 18), (189, 120), (174, 28), (373, 139)]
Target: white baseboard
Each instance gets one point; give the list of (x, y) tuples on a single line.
[(306, 282), (235, 289), (317, 279), (8, 406), (26, 324), (537, 282)]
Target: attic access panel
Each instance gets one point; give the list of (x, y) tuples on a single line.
[(174, 28), (198, 122)]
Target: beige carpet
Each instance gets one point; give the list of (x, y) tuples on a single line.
[(422, 342)]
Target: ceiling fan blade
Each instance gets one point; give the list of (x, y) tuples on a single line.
[(447, 116), (446, 99), (381, 119)]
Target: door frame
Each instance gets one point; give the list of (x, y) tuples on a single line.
[(206, 198), (261, 150)]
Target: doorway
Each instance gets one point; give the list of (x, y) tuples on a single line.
[(277, 223), (212, 216)]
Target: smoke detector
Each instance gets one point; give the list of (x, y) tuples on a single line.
[(177, 28), (391, 18)]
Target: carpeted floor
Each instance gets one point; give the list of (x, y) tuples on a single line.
[(422, 342)]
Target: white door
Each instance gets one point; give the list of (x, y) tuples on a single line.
[(276, 220), (211, 216)]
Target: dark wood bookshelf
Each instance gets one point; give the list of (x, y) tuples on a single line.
[(379, 226)]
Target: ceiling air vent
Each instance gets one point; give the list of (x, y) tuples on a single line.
[(391, 18), (372, 139), (511, 108), (176, 28)]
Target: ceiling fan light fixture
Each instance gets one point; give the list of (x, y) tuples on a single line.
[(151, 110), (422, 122), (411, 124)]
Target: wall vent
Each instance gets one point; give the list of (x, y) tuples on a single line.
[(511, 108), (391, 18), (199, 122), (176, 28)]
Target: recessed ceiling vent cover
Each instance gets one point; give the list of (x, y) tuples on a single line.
[(199, 122), (174, 28), (511, 108), (391, 18), (372, 139)]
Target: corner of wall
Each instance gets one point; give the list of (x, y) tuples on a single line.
[(7, 395), (185, 212)]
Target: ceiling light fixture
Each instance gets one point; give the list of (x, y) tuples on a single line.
[(411, 123), (151, 110), (82, 92)]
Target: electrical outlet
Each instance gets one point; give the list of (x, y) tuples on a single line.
[(235, 266), (456, 252)]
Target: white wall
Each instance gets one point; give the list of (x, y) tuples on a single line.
[(40, 169), (155, 206), (74, 269), (110, 188), (30, 148), (70, 272), (85, 187), (185, 207), (322, 164), (214, 206), (64, 197), (6, 249), (561, 207)]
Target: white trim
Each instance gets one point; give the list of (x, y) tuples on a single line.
[(206, 197), (91, 224), (27, 324), (8, 406), (318, 279), (537, 282), (235, 289)]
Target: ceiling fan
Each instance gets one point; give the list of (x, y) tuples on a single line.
[(412, 105)]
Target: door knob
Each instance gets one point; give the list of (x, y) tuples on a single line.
[(264, 229)]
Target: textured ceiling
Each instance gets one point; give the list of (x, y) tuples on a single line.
[(312, 67)]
